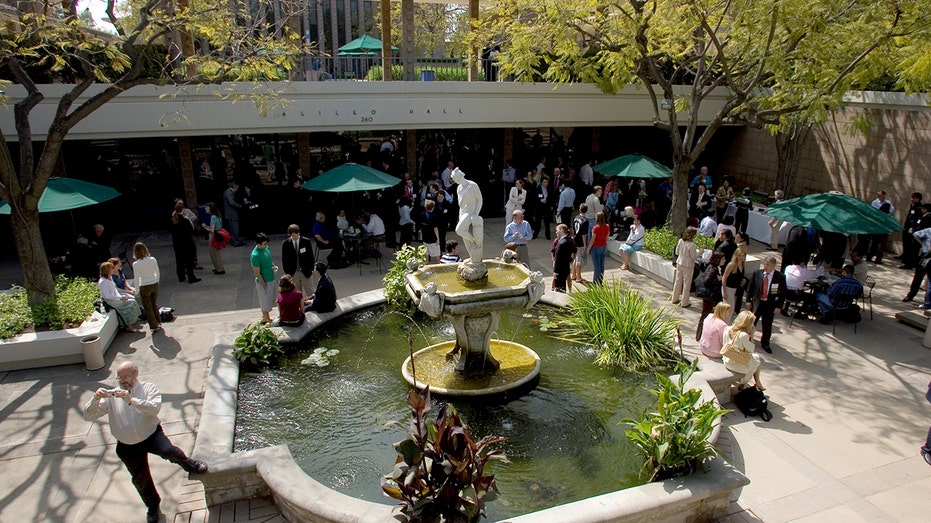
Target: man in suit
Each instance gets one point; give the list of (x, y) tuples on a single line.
[(543, 211), (765, 296), (700, 202), (297, 259)]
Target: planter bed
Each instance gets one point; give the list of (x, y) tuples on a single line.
[(61, 347)]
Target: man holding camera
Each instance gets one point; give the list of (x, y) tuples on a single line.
[(133, 408)]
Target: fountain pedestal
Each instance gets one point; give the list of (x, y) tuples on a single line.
[(473, 307)]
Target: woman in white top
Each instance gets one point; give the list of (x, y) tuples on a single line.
[(145, 269), (740, 335), (686, 254), (516, 198), (125, 305)]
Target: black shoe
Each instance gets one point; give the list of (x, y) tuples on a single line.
[(193, 280), (194, 466), (153, 516), (181, 279), (906, 267), (767, 349), (926, 453), (198, 268), (218, 272), (907, 299)]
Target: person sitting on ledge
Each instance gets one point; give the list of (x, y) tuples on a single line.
[(290, 300), (324, 300)]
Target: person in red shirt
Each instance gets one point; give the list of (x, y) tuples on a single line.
[(290, 303), (598, 246)]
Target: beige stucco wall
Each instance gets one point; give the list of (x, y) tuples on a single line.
[(895, 155)]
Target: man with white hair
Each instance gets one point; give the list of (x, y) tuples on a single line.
[(133, 412)]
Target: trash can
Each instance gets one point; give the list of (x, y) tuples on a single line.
[(427, 75), (93, 355)]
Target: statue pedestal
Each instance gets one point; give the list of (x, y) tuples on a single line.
[(473, 336)]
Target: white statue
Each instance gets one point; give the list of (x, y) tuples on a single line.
[(431, 301), (471, 226)]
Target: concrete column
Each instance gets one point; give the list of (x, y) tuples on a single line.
[(410, 139), (187, 172), (303, 152), (474, 52), (387, 74), (407, 38)]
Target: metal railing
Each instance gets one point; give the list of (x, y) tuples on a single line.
[(369, 68)]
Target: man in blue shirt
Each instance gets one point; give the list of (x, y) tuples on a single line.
[(841, 293), (519, 232), (566, 203)]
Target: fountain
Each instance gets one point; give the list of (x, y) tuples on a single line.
[(471, 295)]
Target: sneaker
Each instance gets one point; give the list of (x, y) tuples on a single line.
[(926, 453)]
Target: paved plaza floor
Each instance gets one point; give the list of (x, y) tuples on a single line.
[(849, 410)]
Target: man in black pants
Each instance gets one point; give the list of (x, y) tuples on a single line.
[(920, 272), (133, 408), (765, 296), (297, 259)]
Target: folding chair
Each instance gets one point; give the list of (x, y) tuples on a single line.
[(867, 295)]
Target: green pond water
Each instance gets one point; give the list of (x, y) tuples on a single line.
[(564, 440)]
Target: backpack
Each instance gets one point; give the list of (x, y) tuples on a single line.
[(166, 314), (752, 402)]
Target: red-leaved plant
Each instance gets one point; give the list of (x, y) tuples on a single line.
[(440, 471)]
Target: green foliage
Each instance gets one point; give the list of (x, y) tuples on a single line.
[(674, 438), (257, 345), (624, 326), (15, 315), (663, 241), (440, 471), (73, 302), (395, 293), (441, 72)]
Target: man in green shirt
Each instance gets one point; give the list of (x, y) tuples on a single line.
[(264, 270)]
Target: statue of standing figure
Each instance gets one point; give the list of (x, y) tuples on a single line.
[(471, 226)]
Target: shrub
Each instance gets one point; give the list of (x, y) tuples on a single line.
[(15, 315), (257, 345), (395, 292), (624, 326), (74, 300), (662, 241), (440, 471), (441, 72), (674, 439)]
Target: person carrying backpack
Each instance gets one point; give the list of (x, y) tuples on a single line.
[(580, 235)]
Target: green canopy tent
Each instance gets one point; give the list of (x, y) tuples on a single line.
[(364, 45), (634, 166), (834, 212), (351, 177), (65, 194)]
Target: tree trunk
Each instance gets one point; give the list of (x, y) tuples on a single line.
[(679, 211), (36, 272), (789, 146)]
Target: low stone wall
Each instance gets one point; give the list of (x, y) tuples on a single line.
[(61, 347), (272, 471)]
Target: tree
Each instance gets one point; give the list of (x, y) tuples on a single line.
[(438, 29), (780, 61), (155, 42)]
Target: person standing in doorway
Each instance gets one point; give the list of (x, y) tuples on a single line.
[(231, 207), (133, 409)]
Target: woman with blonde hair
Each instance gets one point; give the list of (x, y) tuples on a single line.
[(712, 334), (733, 278), (146, 273), (738, 350), (686, 253)]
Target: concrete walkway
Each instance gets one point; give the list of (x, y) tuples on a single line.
[(849, 410)]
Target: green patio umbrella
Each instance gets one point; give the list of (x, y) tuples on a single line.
[(634, 166), (351, 177), (364, 45), (834, 212), (63, 194)]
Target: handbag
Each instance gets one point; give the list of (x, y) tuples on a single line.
[(735, 354)]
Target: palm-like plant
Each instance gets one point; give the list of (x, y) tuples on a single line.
[(674, 439), (625, 327)]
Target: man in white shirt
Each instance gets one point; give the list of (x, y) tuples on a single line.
[(445, 176), (374, 226), (796, 276), (133, 412), (587, 174)]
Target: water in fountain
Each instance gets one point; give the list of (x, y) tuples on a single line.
[(563, 437)]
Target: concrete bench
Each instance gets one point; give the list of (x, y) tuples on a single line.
[(719, 378)]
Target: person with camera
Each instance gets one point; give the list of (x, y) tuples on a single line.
[(133, 413)]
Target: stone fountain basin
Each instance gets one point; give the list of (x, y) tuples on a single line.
[(505, 280)]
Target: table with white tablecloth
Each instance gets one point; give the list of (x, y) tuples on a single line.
[(758, 224)]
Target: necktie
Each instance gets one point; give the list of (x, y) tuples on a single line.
[(296, 250), (765, 292)]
